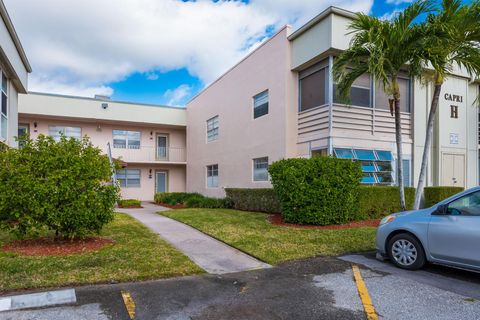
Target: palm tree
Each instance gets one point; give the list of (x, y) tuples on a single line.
[(453, 38), (383, 49)]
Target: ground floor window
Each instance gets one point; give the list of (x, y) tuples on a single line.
[(129, 178), (212, 176), (377, 165), (260, 169)]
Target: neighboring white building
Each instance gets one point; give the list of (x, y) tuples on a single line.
[(299, 117), (14, 69)]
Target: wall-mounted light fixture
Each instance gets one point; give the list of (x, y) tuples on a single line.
[(150, 174), (35, 125), (151, 135), (99, 128)]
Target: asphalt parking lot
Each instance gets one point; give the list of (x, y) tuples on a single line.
[(317, 288)]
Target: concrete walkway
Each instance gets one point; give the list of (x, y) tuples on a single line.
[(210, 254)]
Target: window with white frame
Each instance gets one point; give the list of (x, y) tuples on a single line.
[(360, 92), (260, 104), (68, 132), (314, 86), (123, 139), (212, 176), (129, 178), (382, 98), (4, 108), (377, 165), (260, 169), (212, 129)]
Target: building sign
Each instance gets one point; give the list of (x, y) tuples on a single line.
[(453, 97), (453, 138)]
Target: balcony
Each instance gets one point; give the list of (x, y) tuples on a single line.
[(150, 154)]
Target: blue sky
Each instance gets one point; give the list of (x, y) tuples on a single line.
[(153, 51)]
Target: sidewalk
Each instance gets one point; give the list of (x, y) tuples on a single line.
[(210, 254)]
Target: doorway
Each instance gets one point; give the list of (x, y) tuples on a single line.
[(162, 147), (161, 181), (453, 170)]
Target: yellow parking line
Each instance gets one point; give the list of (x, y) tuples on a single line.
[(364, 296), (129, 304)]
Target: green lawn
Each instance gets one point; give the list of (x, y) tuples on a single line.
[(252, 233), (137, 254)]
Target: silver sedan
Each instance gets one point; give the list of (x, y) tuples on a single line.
[(447, 233)]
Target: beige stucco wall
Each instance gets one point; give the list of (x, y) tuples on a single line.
[(242, 138)]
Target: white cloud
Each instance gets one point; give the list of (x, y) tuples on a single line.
[(398, 2), (79, 46), (177, 96), (390, 15)]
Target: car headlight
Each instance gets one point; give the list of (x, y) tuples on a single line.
[(387, 219)]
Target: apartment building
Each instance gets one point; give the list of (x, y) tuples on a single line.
[(14, 70), (150, 140), (279, 102)]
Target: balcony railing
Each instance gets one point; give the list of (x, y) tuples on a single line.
[(150, 154)]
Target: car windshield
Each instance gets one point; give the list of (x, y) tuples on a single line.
[(467, 205)]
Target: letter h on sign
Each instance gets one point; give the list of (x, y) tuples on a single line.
[(454, 112)]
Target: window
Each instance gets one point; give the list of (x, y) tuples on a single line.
[(260, 169), (129, 178), (406, 173), (381, 97), (69, 132), (377, 165), (468, 205), (4, 109), (359, 93), (23, 132), (212, 176), (314, 86), (319, 153), (123, 139), (260, 104), (212, 129)]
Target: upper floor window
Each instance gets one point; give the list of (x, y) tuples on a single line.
[(260, 104), (129, 178), (260, 169), (123, 139), (360, 92), (69, 132), (314, 86), (212, 176), (212, 129), (4, 109)]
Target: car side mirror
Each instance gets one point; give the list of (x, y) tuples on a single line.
[(441, 210)]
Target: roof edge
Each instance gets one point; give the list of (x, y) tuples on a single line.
[(16, 40), (322, 15)]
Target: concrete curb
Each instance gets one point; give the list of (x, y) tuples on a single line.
[(37, 300)]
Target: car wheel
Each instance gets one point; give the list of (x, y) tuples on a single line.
[(406, 252)]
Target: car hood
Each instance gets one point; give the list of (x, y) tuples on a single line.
[(419, 212)]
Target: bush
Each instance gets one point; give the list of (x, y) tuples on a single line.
[(174, 198), (375, 202), (320, 190), (263, 200), (191, 200), (125, 203), (434, 195), (60, 186)]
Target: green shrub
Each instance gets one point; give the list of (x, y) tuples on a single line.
[(433, 195), (191, 200), (204, 202), (174, 198), (375, 202), (263, 200), (320, 190), (59, 186), (129, 203)]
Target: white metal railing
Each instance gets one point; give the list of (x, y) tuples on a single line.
[(150, 154)]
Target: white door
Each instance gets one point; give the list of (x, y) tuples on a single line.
[(162, 147), (453, 170), (161, 181)]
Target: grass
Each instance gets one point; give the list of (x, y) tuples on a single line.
[(137, 254), (252, 233)]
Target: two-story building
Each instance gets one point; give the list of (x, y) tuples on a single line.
[(279, 102), (14, 70), (149, 140)]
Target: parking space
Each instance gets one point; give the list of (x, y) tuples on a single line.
[(318, 288)]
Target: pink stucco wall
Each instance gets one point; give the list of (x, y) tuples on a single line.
[(241, 137), (100, 133)]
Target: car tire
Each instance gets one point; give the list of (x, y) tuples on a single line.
[(406, 252)]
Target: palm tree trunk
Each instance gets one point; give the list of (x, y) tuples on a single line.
[(428, 145), (398, 137)]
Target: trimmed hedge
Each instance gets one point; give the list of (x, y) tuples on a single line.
[(262, 200), (320, 190), (433, 195), (375, 202), (191, 200), (129, 203)]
